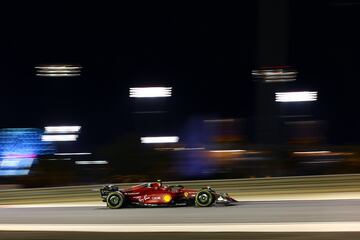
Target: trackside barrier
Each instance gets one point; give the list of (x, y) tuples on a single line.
[(238, 187)]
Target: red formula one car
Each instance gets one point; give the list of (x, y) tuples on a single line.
[(158, 194)]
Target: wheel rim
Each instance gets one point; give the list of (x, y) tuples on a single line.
[(114, 200), (203, 198)]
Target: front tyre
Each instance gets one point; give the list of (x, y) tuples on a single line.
[(115, 200), (204, 198)]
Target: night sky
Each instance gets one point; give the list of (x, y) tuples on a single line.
[(205, 51)]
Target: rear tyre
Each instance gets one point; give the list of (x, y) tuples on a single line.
[(115, 200), (204, 198)]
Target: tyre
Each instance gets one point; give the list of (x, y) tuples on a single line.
[(204, 198), (115, 200)]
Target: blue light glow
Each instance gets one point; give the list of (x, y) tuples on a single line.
[(18, 172), (19, 149), (16, 163)]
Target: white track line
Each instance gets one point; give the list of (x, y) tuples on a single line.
[(56, 205), (220, 227), (302, 197)]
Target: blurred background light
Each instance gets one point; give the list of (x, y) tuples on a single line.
[(275, 74), (149, 92), (72, 154), (312, 152), (179, 148), (14, 172), (303, 96), (58, 70), (98, 162), (62, 129), (188, 149), (16, 163), (58, 159), (164, 139), (228, 151), (57, 138), (19, 149)]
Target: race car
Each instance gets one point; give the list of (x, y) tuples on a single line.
[(159, 194)]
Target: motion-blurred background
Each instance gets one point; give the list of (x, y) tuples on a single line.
[(126, 93)]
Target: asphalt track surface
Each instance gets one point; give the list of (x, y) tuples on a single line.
[(244, 212)]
